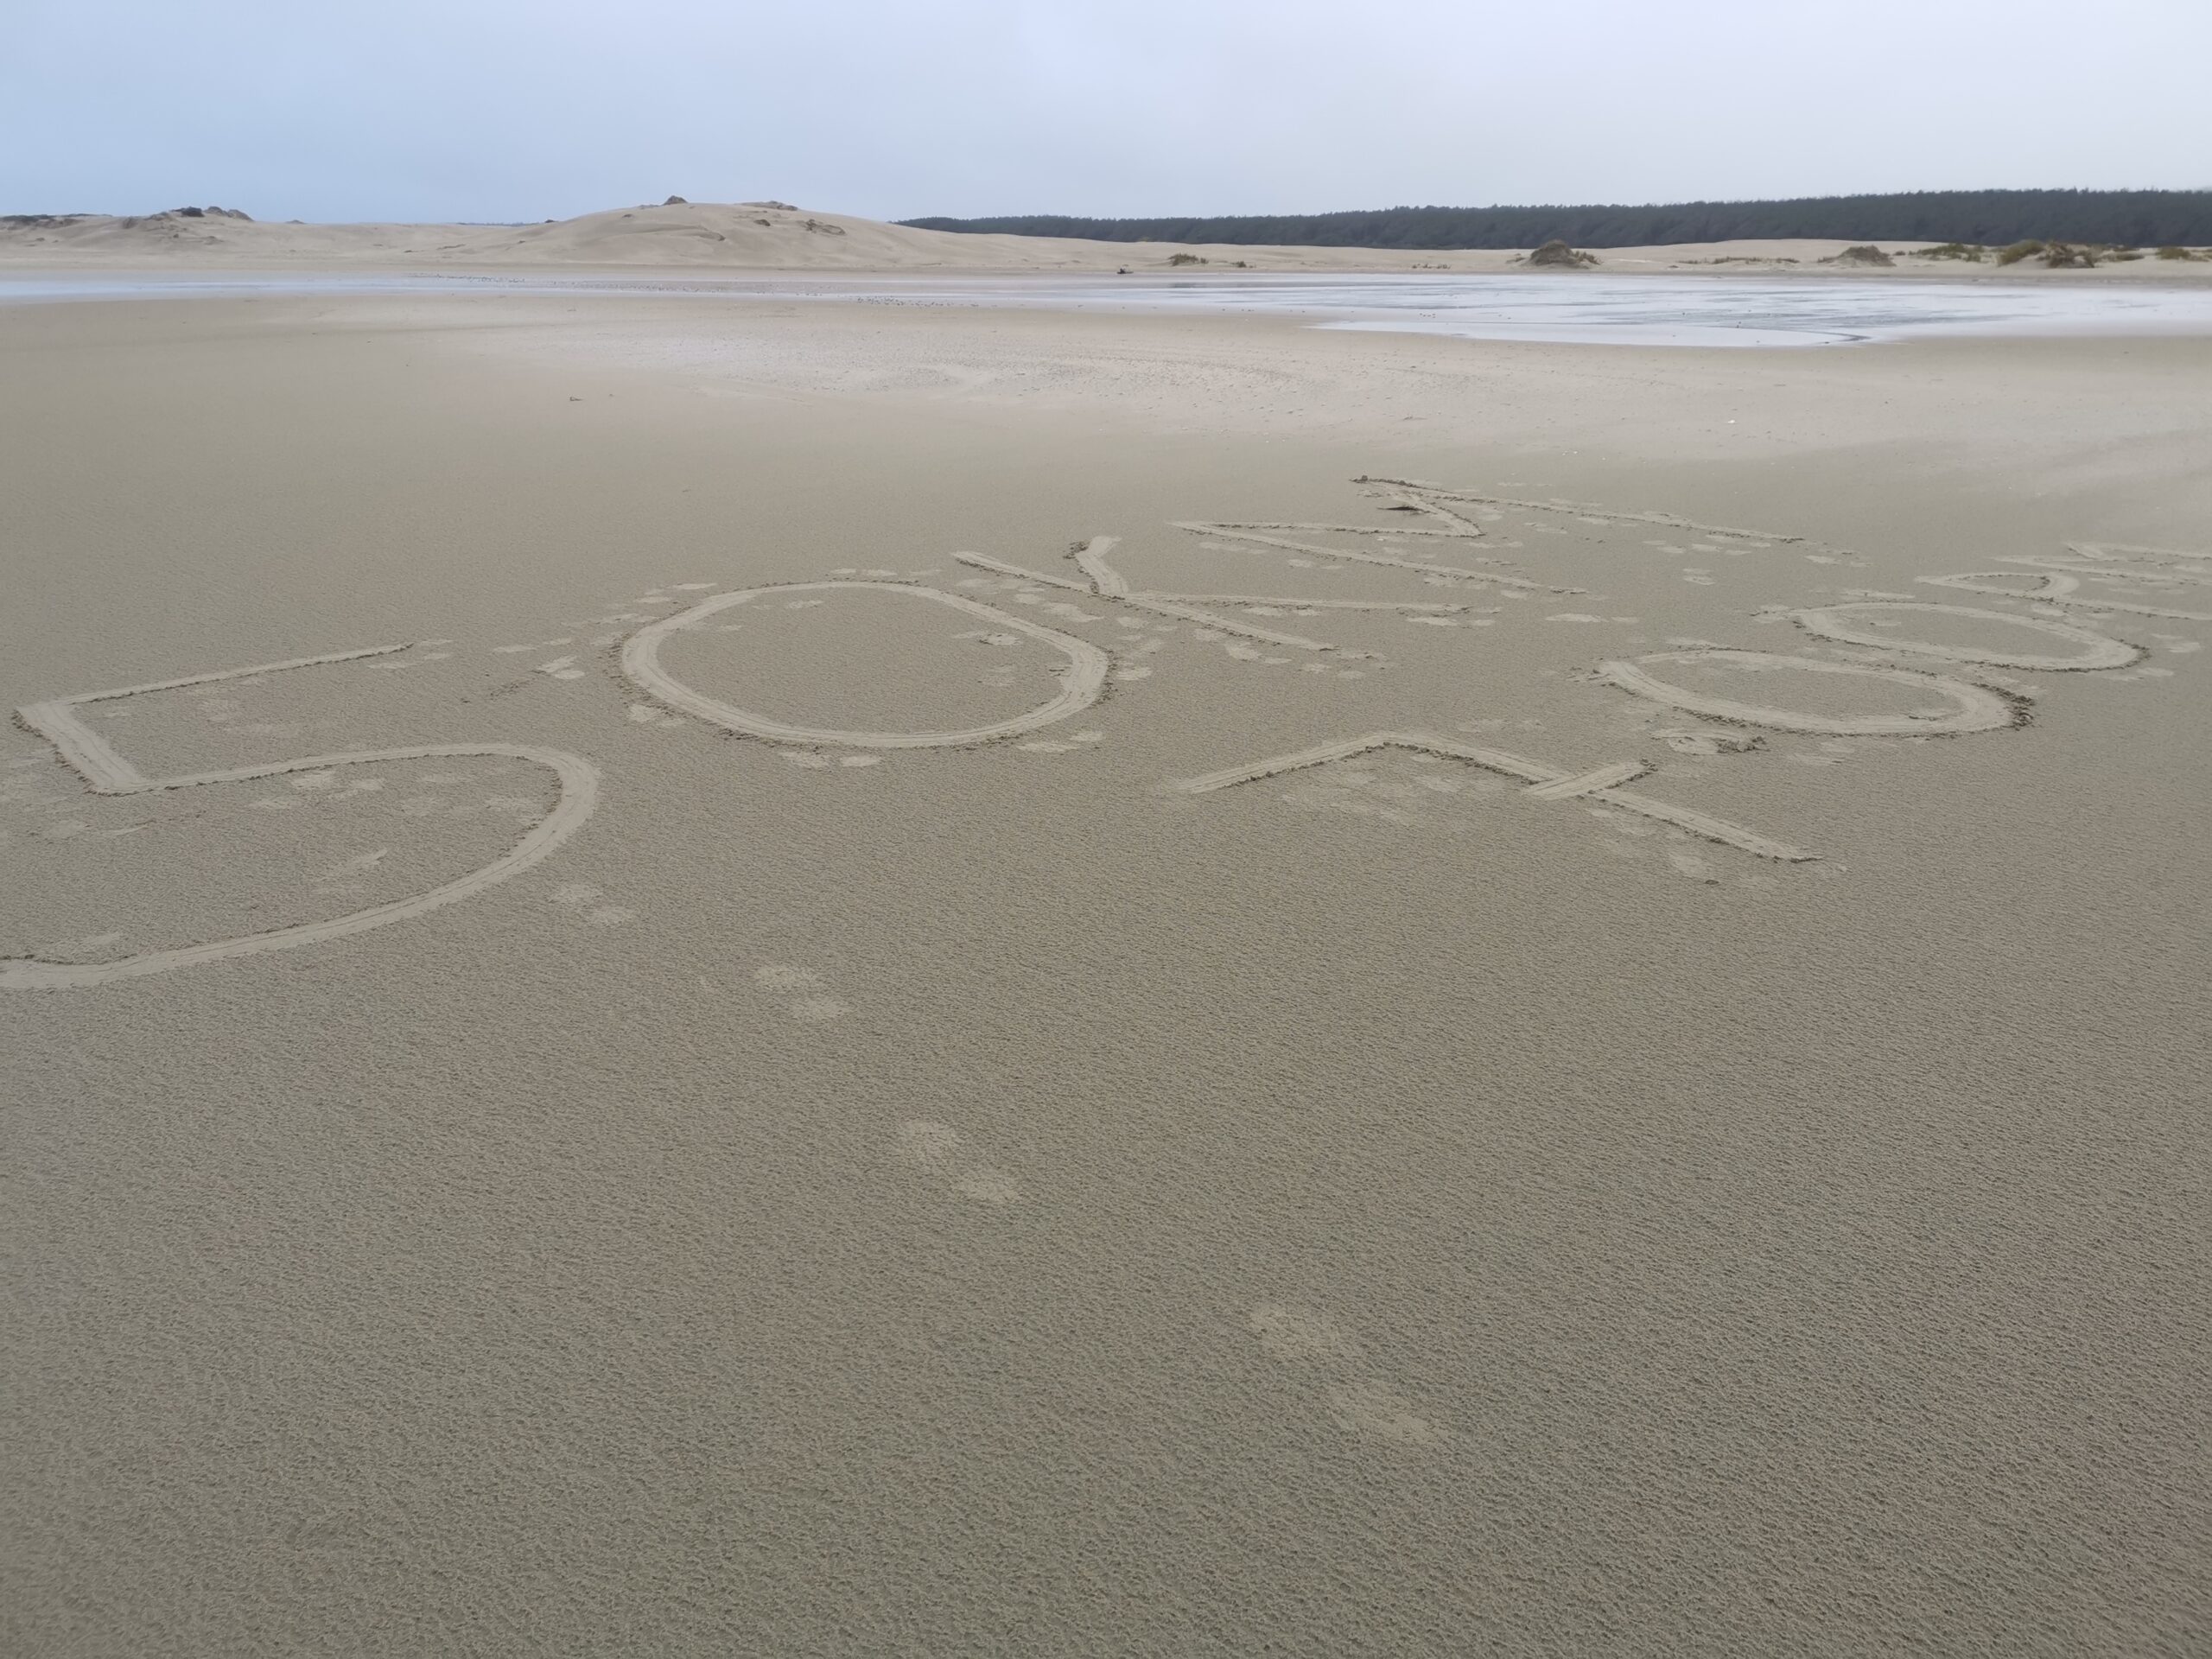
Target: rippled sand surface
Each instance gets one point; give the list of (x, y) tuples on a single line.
[(804, 977)]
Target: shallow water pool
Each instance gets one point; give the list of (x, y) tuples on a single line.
[(1568, 308)]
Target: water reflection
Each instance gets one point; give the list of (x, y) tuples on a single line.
[(1584, 308)]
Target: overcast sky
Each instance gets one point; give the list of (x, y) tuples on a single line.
[(535, 109)]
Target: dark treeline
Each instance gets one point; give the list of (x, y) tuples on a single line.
[(2135, 218)]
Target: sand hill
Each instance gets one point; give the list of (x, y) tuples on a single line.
[(758, 236), (777, 236)]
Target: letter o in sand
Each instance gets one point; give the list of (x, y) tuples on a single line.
[(1977, 708), (2100, 651), (1080, 682)]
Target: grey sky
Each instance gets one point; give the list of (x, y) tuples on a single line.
[(531, 109)]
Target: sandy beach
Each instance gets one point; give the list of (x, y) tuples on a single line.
[(757, 976)]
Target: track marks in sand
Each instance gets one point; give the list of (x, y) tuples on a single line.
[(1311, 1346), (924, 1146), (581, 900), (806, 990), (1708, 740), (941, 1151)]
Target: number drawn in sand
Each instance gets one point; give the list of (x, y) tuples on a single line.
[(1081, 681), (1545, 783), (1974, 707), (2097, 651), (106, 772)]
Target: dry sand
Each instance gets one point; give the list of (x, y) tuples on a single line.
[(776, 236), (1444, 1064)]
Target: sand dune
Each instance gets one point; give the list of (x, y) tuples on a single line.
[(776, 236)]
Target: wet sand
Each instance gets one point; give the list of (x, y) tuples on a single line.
[(1443, 1056), (1647, 309)]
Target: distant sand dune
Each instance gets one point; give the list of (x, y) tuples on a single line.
[(776, 236)]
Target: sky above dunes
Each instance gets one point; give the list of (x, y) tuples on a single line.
[(514, 110)]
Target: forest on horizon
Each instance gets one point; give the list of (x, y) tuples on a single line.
[(2135, 218)]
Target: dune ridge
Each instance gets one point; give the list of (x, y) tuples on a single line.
[(678, 234)]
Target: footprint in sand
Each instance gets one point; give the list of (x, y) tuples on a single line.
[(342, 878), (1314, 1346), (1708, 740), (778, 976), (940, 1149), (812, 1006), (1684, 860), (581, 900)]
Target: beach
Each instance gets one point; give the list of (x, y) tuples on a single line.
[(803, 975)]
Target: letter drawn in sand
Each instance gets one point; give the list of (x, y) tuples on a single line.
[(2154, 566), (2057, 588), (1545, 782), (2170, 563), (2098, 650), (1975, 708), (106, 772), (1104, 581), (1255, 537), (1080, 682), (1431, 497)]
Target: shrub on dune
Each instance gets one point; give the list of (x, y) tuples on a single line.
[(1555, 255)]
